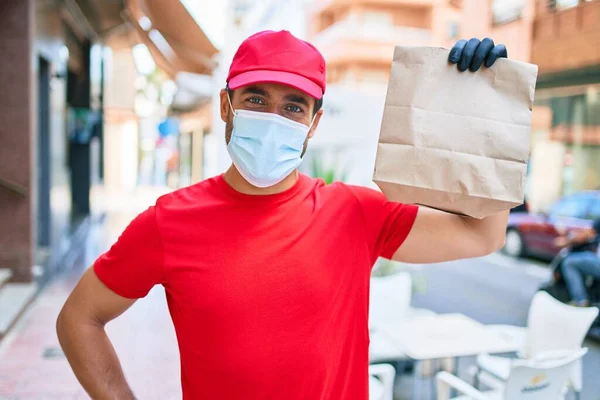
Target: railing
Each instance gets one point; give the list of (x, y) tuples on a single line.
[(13, 187)]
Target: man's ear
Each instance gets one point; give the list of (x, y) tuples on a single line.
[(224, 106), (313, 128)]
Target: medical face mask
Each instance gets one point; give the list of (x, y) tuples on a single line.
[(265, 147)]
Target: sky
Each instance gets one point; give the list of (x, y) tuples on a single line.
[(210, 15)]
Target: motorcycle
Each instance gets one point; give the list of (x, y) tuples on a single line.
[(557, 287)]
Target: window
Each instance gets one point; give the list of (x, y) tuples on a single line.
[(561, 4), (452, 30), (571, 207), (504, 11)]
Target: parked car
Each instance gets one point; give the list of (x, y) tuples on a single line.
[(533, 234), (520, 208)]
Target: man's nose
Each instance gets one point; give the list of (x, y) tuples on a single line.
[(275, 109)]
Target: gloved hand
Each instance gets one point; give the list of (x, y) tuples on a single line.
[(471, 54)]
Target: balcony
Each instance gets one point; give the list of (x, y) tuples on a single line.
[(566, 39), (328, 5), (350, 40)]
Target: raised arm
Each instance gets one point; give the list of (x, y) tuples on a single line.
[(437, 236)]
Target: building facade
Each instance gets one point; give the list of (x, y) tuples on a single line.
[(74, 114), (563, 38), (566, 47), (357, 38), (50, 118)]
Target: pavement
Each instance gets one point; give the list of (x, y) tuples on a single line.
[(32, 365), (493, 289)]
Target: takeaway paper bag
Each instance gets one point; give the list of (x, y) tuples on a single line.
[(455, 141)]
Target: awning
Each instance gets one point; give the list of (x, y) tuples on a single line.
[(193, 90), (173, 37)]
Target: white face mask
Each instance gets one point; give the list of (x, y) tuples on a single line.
[(265, 147)]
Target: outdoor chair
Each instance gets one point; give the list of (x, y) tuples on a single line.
[(381, 382), (551, 325), (544, 377)]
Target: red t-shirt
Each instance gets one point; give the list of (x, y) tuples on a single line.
[(268, 294)]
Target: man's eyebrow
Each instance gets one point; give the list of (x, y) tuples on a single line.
[(294, 98), (254, 90)]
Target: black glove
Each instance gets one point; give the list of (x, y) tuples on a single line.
[(471, 54)]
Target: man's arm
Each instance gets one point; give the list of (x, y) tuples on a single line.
[(437, 236), (80, 329), (569, 238)]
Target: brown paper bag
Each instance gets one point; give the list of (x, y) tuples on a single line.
[(455, 141)]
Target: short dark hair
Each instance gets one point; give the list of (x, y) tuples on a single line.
[(316, 108)]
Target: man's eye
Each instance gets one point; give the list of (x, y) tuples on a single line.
[(255, 100), (294, 109)]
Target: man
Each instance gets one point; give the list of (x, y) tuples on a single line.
[(578, 265), (266, 270)]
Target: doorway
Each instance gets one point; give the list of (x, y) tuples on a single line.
[(43, 156)]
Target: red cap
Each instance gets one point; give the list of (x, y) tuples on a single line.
[(278, 57)]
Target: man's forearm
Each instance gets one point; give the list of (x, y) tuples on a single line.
[(490, 231), (93, 359)]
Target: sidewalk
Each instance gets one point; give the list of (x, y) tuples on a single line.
[(32, 366)]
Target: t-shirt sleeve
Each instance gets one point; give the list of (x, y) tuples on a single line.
[(134, 264), (387, 224)]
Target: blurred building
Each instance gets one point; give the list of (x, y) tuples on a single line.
[(73, 113), (566, 149), (186, 56), (51, 75), (357, 37), (563, 38)]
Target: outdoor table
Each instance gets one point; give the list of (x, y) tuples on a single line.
[(442, 336)]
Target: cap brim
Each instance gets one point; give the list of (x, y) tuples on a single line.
[(285, 78)]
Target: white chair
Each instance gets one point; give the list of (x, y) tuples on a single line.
[(390, 298), (389, 301), (542, 378), (381, 382), (551, 325)]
